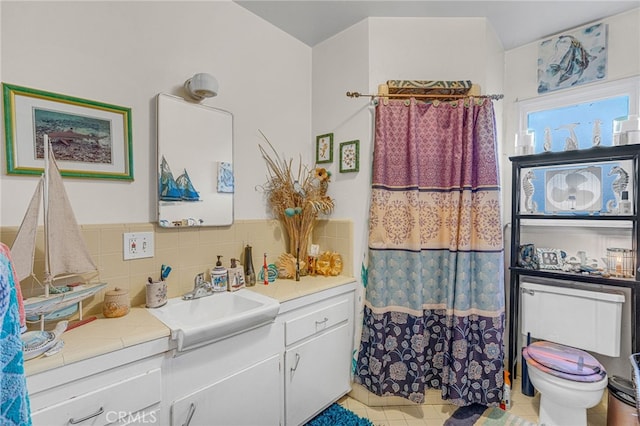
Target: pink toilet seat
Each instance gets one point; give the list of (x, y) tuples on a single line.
[(564, 362)]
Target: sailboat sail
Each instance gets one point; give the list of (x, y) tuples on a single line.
[(189, 193), (68, 253), (24, 247), (65, 251), (169, 190)]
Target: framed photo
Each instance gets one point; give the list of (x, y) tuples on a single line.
[(349, 156), (324, 148), (89, 139), (550, 258)]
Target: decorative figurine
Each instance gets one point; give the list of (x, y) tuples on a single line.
[(570, 143), (618, 186), (597, 136), (547, 139), (530, 206)]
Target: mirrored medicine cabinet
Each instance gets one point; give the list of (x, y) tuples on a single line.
[(194, 164)]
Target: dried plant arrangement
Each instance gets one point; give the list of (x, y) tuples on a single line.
[(296, 197)]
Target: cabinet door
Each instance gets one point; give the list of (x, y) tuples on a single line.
[(317, 374), (249, 397)]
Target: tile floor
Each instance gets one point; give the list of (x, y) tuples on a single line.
[(436, 414)]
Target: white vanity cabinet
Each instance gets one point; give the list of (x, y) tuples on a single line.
[(318, 351), (234, 381), (124, 395)]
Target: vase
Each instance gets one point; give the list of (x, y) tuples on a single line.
[(299, 230)]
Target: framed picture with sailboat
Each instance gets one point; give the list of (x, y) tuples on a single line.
[(89, 139)]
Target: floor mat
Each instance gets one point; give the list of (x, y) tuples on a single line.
[(480, 415), (337, 415), (466, 416)]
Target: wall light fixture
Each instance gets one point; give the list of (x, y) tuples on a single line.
[(201, 86)]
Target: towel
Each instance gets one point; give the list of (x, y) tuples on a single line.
[(14, 399)]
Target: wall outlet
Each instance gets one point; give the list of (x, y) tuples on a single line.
[(137, 245)]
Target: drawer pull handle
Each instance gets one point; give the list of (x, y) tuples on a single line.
[(90, 416), (324, 321), (295, 367), (192, 410)]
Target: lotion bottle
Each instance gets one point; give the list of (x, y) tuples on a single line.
[(219, 277)]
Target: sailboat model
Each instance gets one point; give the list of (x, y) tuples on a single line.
[(180, 189), (65, 252)]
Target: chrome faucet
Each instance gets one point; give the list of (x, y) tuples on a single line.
[(201, 288)]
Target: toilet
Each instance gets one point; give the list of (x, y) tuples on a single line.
[(567, 321)]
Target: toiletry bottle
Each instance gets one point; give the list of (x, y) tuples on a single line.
[(265, 271), (625, 204), (219, 277), (249, 272), (236, 276)]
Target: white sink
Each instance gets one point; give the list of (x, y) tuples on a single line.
[(207, 319)]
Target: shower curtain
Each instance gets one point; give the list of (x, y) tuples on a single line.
[(434, 306)]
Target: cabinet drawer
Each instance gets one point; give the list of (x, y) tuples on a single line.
[(109, 404), (311, 323)]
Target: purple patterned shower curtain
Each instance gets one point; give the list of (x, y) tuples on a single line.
[(434, 308)]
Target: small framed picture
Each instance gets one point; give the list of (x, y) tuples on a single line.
[(349, 156), (549, 258), (324, 148)]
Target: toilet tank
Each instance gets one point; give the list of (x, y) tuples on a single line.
[(571, 316)]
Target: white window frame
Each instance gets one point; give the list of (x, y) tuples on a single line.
[(589, 93)]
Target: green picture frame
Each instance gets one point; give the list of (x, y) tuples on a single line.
[(89, 139), (350, 156), (324, 148)]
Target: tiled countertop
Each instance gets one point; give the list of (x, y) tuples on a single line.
[(105, 335), (286, 290), (102, 336)]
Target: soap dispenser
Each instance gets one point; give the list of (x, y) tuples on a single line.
[(219, 277)]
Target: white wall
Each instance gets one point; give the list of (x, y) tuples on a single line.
[(380, 49), (125, 53)]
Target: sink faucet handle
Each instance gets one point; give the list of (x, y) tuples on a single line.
[(198, 281)]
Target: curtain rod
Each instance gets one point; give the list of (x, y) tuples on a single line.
[(408, 95)]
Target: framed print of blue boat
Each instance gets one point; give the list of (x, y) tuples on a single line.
[(572, 58)]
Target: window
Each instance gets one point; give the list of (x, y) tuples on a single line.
[(579, 118)]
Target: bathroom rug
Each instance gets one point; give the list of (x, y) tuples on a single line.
[(337, 415), (480, 415)]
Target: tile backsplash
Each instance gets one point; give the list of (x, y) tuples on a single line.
[(189, 251)]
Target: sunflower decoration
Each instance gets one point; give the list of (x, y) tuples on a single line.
[(296, 197)]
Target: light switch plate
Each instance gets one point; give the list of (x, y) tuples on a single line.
[(137, 245)]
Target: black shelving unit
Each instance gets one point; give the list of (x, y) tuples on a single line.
[(570, 158)]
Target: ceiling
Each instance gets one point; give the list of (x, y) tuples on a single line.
[(516, 22)]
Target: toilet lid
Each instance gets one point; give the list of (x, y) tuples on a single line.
[(564, 361)]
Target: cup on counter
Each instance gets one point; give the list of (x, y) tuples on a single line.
[(156, 294)]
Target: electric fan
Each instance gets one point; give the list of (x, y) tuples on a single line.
[(574, 190)]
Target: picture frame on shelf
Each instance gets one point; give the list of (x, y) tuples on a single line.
[(324, 148), (527, 256), (550, 258), (349, 156), (89, 139)]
